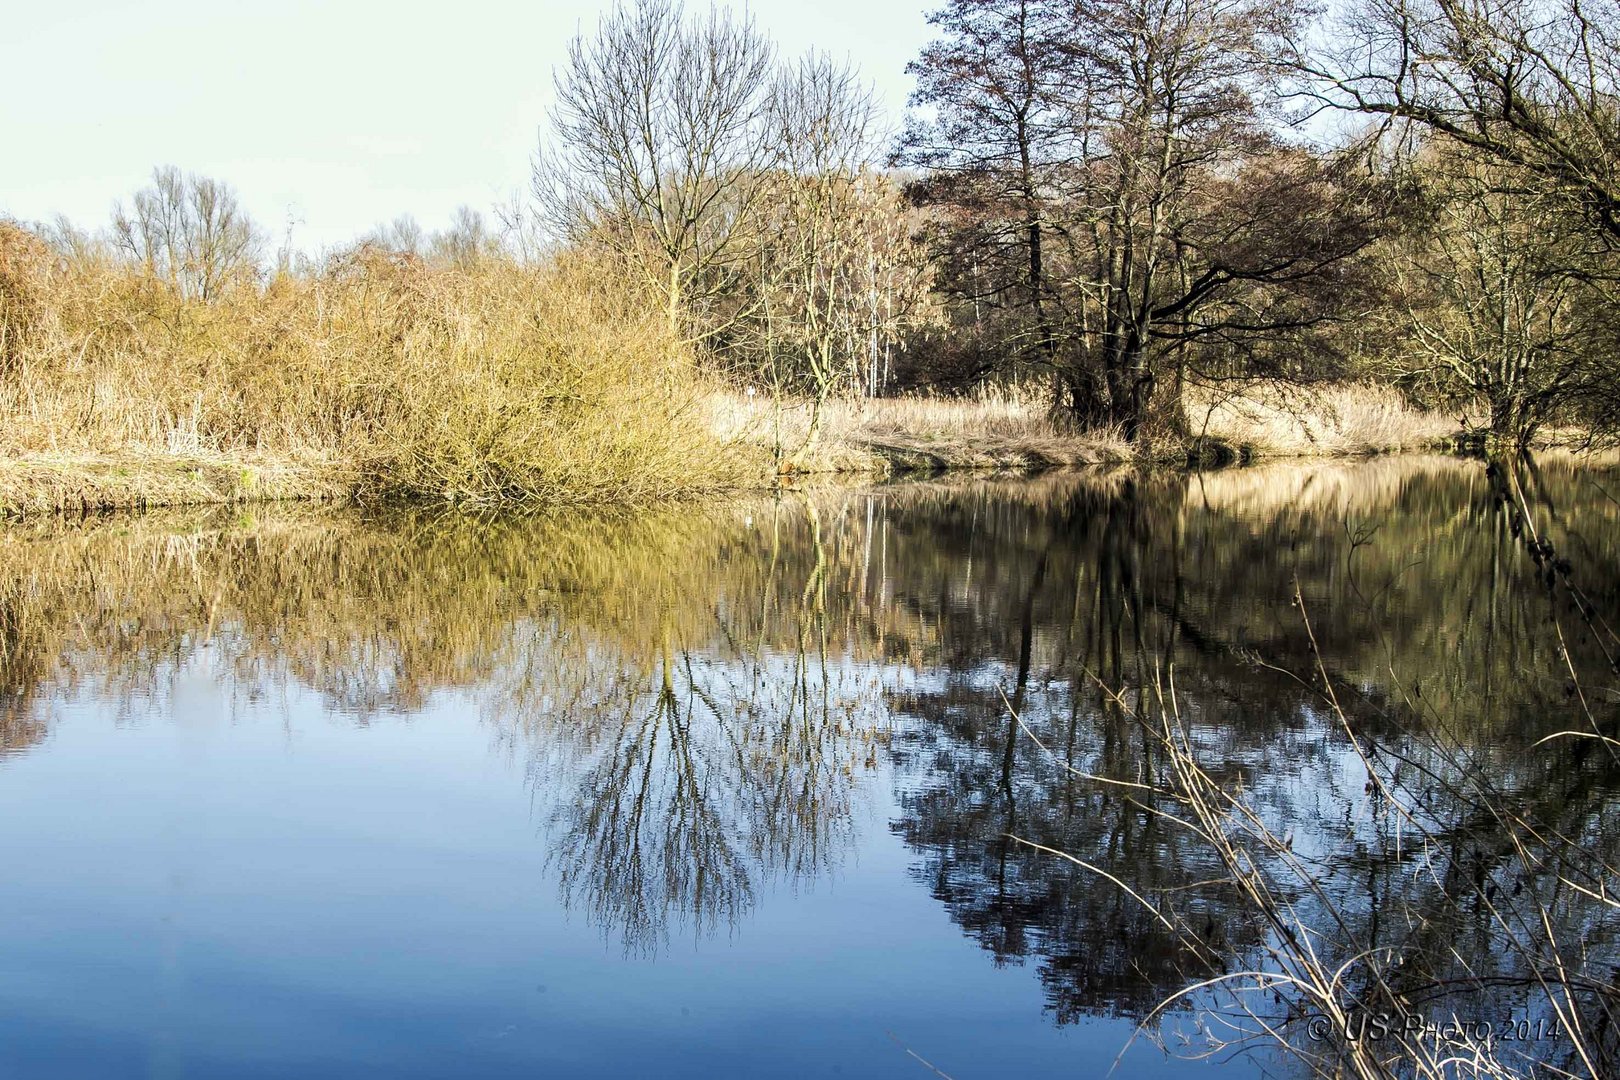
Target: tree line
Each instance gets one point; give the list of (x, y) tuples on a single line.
[(1118, 199), (1116, 203)]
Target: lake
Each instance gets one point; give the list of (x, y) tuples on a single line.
[(772, 787)]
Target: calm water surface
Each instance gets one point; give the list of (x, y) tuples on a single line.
[(734, 791)]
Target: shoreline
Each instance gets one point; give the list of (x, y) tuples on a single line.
[(60, 484), (89, 482), (86, 482)]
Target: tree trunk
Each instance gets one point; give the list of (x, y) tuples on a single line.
[(673, 301), (1512, 425)]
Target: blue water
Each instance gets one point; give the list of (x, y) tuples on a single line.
[(246, 890)]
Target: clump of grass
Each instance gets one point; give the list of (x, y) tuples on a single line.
[(994, 428), (1353, 418), (482, 381)]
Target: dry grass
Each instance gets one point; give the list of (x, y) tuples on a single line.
[(496, 381), (1358, 418), (1353, 994), (43, 483), (993, 430), (1013, 430)]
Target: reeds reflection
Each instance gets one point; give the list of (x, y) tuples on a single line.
[(705, 697), (697, 706)]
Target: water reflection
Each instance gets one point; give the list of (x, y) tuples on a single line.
[(704, 696), (1447, 645)]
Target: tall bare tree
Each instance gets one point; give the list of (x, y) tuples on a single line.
[(991, 134), (661, 143), (1132, 148), (190, 231), (1527, 83)]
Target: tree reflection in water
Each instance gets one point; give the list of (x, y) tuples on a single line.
[(1442, 643), (703, 695)]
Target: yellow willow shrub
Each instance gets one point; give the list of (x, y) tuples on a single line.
[(562, 384), (485, 382)]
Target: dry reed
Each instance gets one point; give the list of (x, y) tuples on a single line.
[(1326, 987), (377, 373), (994, 429), (1355, 418)]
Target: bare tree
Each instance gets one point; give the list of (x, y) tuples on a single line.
[(1488, 299), (465, 243), (402, 236), (521, 229), (1170, 101), (1115, 172), (996, 131), (190, 231), (1527, 83), (661, 146), (831, 286)]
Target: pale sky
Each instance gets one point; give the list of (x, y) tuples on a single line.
[(339, 115)]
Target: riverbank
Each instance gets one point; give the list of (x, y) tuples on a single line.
[(89, 482), (380, 376), (750, 444), (1006, 430)]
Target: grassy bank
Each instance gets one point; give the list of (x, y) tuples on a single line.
[(733, 441), (47, 482), (377, 374), (993, 430), (1269, 420), (998, 429)]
